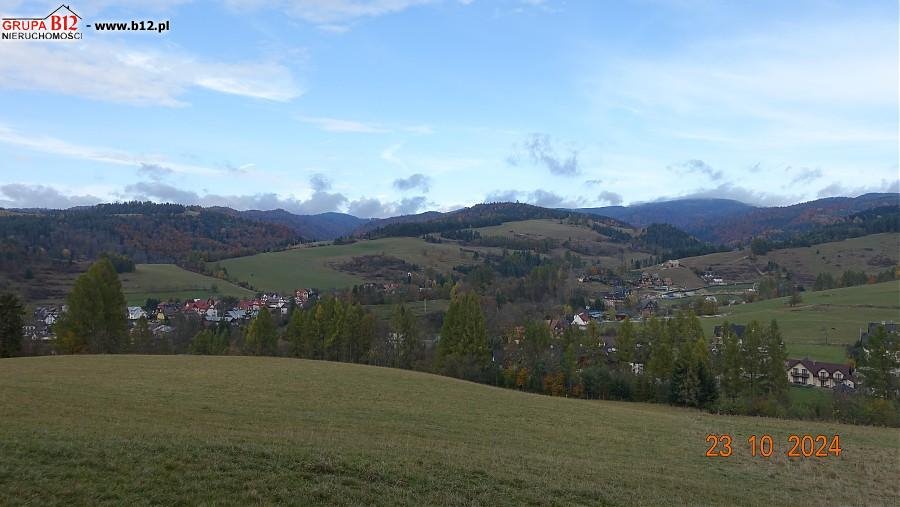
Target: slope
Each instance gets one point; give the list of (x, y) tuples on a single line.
[(168, 281), (873, 253), (825, 322), (213, 430)]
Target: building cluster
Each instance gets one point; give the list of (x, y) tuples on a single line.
[(40, 327), (211, 311)]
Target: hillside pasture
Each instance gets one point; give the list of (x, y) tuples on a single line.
[(681, 276), (540, 229), (417, 308), (838, 313), (191, 430), (49, 283), (872, 254), (168, 281), (609, 254), (317, 267)]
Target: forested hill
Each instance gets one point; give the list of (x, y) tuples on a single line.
[(145, 231), (321, 226), (691, 215), (480, 215), (671, 242), (872, 221)]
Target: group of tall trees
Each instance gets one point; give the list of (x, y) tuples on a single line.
[(665, 361), (850, 278), (753, 365), (96, 319), (878, 358), (463, 350), (12, 314), (331, 329)]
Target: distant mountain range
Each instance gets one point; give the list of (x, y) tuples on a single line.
[(727, 221), (721, 221), (690, 215)]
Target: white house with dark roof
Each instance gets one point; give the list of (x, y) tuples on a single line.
[(824, 375)]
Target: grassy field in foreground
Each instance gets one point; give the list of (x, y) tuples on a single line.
[(237, 430), (839, 312), (314, 267), (168, 281)]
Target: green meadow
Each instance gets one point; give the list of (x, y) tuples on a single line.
[(168, 281), (188, 430), (316, 267), (838, 314)]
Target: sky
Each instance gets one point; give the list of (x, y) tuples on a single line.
[(385, 107)]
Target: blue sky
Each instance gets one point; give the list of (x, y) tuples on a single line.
[(385, 107)]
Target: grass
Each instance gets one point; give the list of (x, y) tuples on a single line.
[(314, 267), (537, 229), (872, 254), (615, 254), (139, 430), (842, 313), (49, 286), (168, 281), (417, 308), (808, 395)]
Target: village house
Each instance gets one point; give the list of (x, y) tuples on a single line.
[(40, 328), (889, 327), (250, 305), (581, 320), (164, 312), (212, 315), (823, 375), (198, 306), (302, 297), (162, 330), (136, 313), (736, 329), (649, 308), (235, 315)]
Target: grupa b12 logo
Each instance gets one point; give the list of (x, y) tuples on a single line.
[(61, 24)]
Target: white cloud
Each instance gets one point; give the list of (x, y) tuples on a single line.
[(539, 197), (338, 125), (738, 193), (697, 167), (319, 201), (117, 73), (21, 195), (779, 87), (838, 189), (414, 181), (611, 198), (51, 145), (540, 149), (370, 207)]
